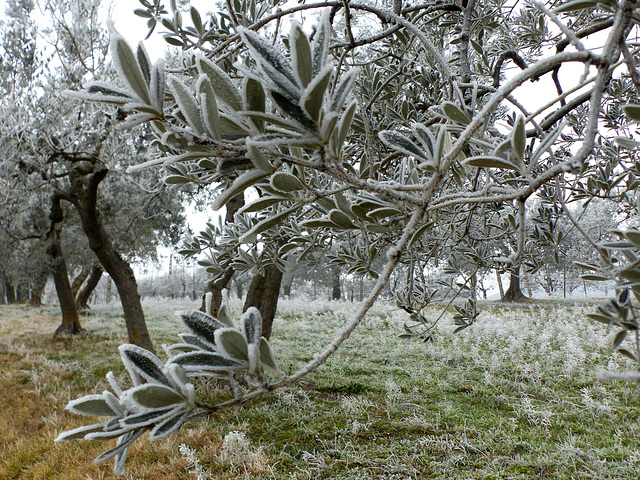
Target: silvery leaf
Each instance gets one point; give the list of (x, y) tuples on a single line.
[(203, 325), (224, 88), (251, 321), (232, 343), (168, 426), (91, 405), (126, 64), (143, 363), (155, 396)]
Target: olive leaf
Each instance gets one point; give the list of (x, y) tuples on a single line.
[(128, 68), (142, 363), (187, 104), (300, 54), (223, 86)]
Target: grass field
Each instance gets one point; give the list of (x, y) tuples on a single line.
[(513, 397)]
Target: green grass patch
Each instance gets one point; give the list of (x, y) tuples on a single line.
[(514, 396)]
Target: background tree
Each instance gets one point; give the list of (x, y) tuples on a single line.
[(55, 151)]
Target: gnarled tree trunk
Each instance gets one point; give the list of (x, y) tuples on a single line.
[(70, 319), (83, 194)]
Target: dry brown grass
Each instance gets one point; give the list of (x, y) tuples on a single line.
[(38, 376)]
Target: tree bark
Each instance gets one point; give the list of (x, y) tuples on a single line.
[(263, 294), (336, 292), (82, 298), (79, 279), (514, 292), (11, 293), (70, 319), (83, 195)]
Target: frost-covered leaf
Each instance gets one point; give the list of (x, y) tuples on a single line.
[(187, 104), (399, 142), (203, 325), (223, 86), (593, 277), (124, 442), (255, 99), (488, 161), (626, 353), (232, 343), (328, 125), (519, 138), (168, 426), (251, 321), (91, 405), (619, 338), (143, 363), (208, 107), (455, 113), (258, 159), (144, 63), (285, 182), (197, 341), (156, 396), (294, 112), (632, 111), (546, 143), (240, 184), (157, 86), (626, 143), (342, 90), (138, 420), (266, 355), (633, 236), (320, 47), (425, 137), (265, 224), (261, 204), (575, 5), (300, 54), (312, 98), (272, 63), (272, 120), (344, 126), (80, 432), (135, 120), (341, 219), (207, 361), (126, 64)]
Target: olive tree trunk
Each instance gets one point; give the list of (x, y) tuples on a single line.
[(83, 194), (216, 286), (70, 319), (263, 294), (514, 292), (82, 298)]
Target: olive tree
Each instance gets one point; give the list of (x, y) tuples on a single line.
[(388, 134)]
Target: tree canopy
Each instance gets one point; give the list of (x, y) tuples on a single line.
[(388, 134)]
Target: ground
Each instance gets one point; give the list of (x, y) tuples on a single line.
[(513, 397)]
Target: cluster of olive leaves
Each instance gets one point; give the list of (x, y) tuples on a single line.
[(162, 396)]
